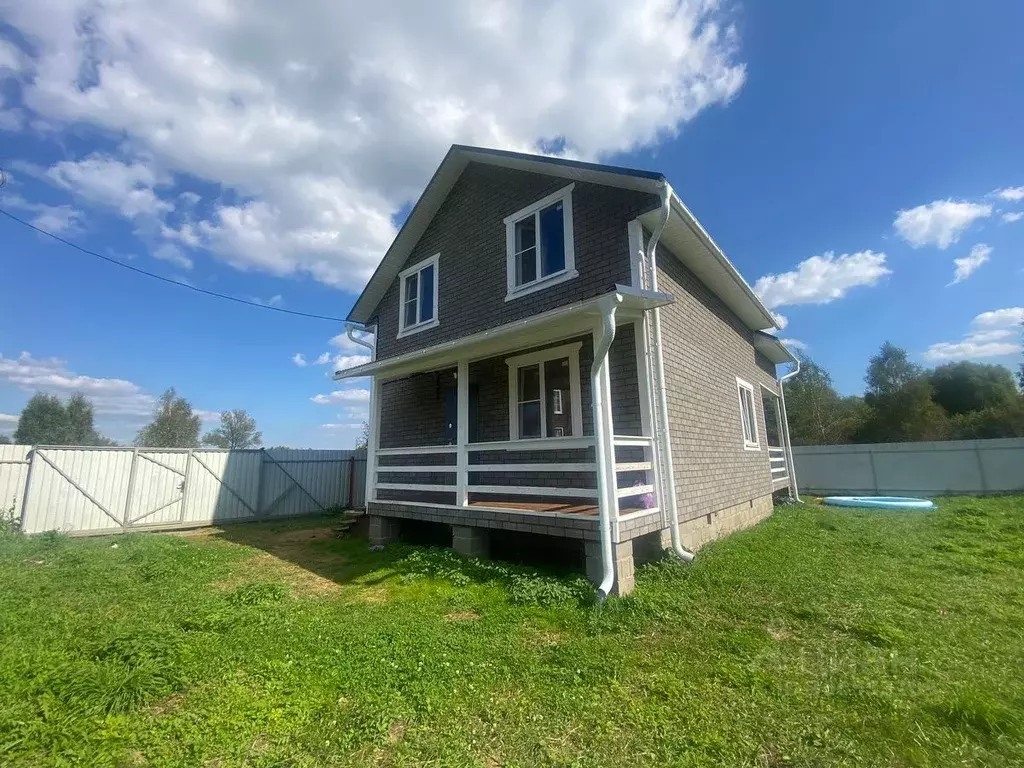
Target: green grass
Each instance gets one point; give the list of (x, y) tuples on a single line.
[(822, 637)]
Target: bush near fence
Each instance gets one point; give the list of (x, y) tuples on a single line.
[(109, 490)]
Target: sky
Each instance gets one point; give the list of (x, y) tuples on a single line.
[(861, 164)]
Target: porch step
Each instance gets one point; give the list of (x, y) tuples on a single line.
[(350, 525)]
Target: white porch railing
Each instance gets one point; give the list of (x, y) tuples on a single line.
[(462, 469), (779, 466)]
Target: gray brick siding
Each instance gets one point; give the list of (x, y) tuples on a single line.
[(705, 348), (469, 233)]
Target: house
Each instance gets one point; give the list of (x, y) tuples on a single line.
[(560, 349)]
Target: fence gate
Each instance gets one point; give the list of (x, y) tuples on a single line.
[(108, 490)]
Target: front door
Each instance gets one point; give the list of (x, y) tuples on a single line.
[(451, 414)]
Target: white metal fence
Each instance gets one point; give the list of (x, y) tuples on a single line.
[(109, 490), (956, 466)]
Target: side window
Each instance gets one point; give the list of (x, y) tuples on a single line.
[(748, 416), (539, 245), (418, 297), (544, 394)]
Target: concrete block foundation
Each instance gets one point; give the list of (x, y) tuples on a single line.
[(383, 530), (470, 541)]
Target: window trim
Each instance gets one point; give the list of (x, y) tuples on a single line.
[(572, 351), (403, 329), (747, 444), (569, 272)]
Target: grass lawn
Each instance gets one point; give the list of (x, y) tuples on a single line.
[(822, 637)]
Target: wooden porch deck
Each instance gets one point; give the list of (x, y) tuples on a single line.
[(562, 508)]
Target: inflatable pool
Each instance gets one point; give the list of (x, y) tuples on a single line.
[(879, 502)]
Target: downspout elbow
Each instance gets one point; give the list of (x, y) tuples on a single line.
[(352, 326)]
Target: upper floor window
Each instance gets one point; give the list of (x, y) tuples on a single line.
[(539, 244), (544, 394), (748, 416), (418, 297)]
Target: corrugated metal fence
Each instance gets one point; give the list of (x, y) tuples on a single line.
[(109, 490)]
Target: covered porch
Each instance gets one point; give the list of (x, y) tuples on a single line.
[(541, 426)]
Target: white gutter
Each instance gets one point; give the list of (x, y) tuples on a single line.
[(794, 492), (350, 326), (668, 489), (600, 388)]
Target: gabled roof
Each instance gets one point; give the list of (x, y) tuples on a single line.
[(684, 235)]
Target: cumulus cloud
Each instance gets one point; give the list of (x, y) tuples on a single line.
[(12, 60), (343, 396), (49, 218), (1011, 194), (939, 223), (173, 254), (795, 344), (1013, 216), (8, 418), (317, 125), (125, 187), (822, 279), (999, 318), (117, 402), (300, 360), (992, 334), (966, 266)]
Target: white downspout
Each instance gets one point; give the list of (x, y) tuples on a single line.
[(794, 492), (600, 388), (372, 436), (351, 326), (668, 478)]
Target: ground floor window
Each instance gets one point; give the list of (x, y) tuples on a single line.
[(748, 416), (544, 394)]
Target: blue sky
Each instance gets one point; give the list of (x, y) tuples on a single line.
[(843, 155)]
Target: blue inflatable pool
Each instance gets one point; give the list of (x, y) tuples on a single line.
[(879, 502)]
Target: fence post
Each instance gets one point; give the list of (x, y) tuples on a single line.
[(131, 489), (184, 489), (28, 484), (874, 473), (351, 482), (981, 468), (259, 483)]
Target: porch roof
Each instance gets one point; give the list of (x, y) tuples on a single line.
[(559, 323)]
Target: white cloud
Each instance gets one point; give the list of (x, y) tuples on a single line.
[(320, 124), (172, 253), (1012, 194), (967, 265), (939, 223), (999, 318), (8, 418), (990, 337), (342, 362), (343, 396), (343, 425), (324, 359), (126, 187), (12, 60), (49, 218), (118, 402), (11, 119), (970, 349), (822, 279), (795, 344), (300, 360), (1013, 216), (277, 300)]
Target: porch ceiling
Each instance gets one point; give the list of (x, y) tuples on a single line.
[(560, 323)]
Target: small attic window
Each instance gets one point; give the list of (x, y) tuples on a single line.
[(418, 297), (539, 245)]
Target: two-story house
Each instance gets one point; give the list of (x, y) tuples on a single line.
[(560, 349)]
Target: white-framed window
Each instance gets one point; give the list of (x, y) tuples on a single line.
[(539, 245), (417, 309), (533, 380), (748, 415)]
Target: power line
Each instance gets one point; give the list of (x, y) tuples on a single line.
[(168, 280)]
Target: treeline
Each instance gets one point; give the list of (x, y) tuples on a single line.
[(904, 402), (48, 420)]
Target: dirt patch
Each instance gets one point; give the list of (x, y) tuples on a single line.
[(168, 705), (396, 731), (277, 566), (462, 616), (779, 634), (540, 638)]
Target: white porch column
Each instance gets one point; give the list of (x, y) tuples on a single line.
[(373, 440), (462, 436)]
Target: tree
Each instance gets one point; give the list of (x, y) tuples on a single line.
[(5, 440), (817, 414), (965, 387), (46, 420), (900, 400), (363, 441), (173, 426), (237, 430)]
